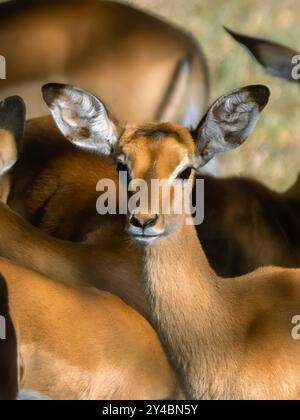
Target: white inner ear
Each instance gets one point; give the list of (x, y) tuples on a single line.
[(83, 120), (227, 125)]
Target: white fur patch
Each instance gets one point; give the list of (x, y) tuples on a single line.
[(30, 396)]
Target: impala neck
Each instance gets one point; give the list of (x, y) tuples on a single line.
[(191, 310)]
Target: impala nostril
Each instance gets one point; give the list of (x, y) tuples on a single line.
[(143, 223), (134, 221)]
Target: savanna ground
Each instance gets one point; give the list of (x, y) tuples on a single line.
[(273, 153)]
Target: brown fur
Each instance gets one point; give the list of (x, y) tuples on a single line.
[(225, 339), (256, 226), (221, 336), (105, 349), (107, 47), (52, 171)]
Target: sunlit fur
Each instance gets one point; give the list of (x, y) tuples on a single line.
[(226, 339), (80, 343)]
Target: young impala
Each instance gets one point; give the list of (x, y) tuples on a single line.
[(53, 185), (226, 339)]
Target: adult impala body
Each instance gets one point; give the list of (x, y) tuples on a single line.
[(122, 54)]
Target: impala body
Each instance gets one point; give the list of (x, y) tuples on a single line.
[(124, 55), (83, 344)]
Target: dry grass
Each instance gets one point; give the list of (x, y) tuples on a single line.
[(273, 153)]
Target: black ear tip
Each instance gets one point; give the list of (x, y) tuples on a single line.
[(228, 30), (51, 91), (260, 94), (246, 41), (13, 105), (234, 34), (14, 101)]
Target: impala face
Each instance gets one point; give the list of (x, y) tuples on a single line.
[(163, 157), (156, 152)]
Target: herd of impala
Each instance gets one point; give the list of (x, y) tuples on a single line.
[(142, 306)]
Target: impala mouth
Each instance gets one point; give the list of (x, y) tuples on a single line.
[(145, 239)]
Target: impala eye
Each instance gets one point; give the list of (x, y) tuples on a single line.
[(184, 175)]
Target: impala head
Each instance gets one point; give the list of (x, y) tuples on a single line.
[(277, 59), (12, 120), (162, 152)]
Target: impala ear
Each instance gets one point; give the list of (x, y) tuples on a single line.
[(229, 122), (82, 118), (277, 59), (12, 121)]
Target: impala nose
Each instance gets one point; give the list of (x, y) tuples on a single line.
[(143, 222)]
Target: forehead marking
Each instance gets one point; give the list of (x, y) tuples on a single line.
[(157, 150), (158, 132)]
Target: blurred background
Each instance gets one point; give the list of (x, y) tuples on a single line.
[(272, 155)]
